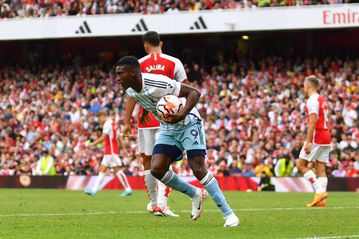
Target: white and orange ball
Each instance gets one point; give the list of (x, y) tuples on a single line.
[(169, 104)]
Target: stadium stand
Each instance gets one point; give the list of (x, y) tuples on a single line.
[(48, 109), (50, 8)]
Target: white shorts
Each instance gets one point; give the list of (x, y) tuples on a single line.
[(318, 152), (147, 139), (111, 161)]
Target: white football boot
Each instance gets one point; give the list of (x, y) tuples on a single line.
[(166, 212), (150, 208), (197, 203), (232, 221)]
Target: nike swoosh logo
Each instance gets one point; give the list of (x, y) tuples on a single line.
[(199, 207)]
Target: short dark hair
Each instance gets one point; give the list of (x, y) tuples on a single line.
[(128, 61), (152, 38)]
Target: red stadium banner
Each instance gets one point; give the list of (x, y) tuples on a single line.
[(281, 184), (227, 183)]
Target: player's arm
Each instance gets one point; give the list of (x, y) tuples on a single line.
[(192, 96), (144, 116), (130, 106), (313, 118), (97, 141)]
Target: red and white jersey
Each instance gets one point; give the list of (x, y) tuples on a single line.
[(110, 130), (317, 104), (161, 64)]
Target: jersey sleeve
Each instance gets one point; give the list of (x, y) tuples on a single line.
[(313, 106), (142, 62), (180, 73), (106, 128), (164, 86), (129, 92), (175, 87)]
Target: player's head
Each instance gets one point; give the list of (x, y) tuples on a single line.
[(310, 84), (102, 117), (152, 42), (128, 71)]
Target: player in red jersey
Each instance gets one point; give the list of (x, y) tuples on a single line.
[(148, 126), (317, 146), (110, 158)]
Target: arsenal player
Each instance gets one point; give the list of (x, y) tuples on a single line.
[(317, 145), (110, 158)]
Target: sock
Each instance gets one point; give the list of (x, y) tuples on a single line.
[(313, 180), (211, 185), (151, 185), (98, 181), (123, 180), (323, 182), (163, 192), (173, 181)]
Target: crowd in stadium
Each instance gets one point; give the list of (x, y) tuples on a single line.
[(253, 113), (50, 8)]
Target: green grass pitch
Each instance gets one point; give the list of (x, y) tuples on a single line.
[(27, 213)]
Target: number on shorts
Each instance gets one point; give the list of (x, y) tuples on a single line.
[(194, 133)]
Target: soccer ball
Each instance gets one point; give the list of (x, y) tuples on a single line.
[(169, 104)]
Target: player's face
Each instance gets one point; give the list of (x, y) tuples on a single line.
[(146, 47), (305, 90), (124, 76), (102, 119)]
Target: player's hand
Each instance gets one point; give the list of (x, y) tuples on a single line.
[(307, 147), (174, 118), (126, 131)]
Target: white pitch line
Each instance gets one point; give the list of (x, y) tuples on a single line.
[(183, 211), (332, 237), (281, 209)]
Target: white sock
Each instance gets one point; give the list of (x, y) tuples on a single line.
[(151, 186), (98, 181), (123, 180), (208, 178), (163, 191), (310, 176), (323, 181)]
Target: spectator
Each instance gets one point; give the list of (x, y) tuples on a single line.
[(222, 169), (247, 170), (349, 114), (46, 164), (339, 172), (234, 169), (265, 183), (16, 8), (356, 164), (284, 167), (350, 171), (262, 167), (173, 9), (261, 118)]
